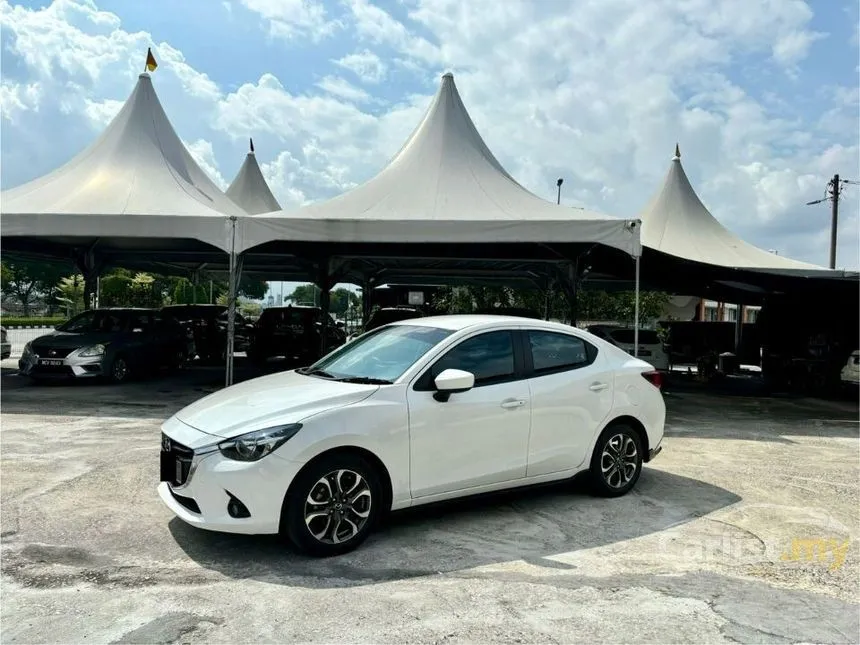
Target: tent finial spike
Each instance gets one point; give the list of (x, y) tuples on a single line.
[(677, 152), (252, 144)]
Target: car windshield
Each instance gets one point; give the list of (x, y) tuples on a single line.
[(98, 321), (383, 355)]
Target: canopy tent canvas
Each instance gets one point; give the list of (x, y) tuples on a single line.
[(676, 223), (136, 182), (249, 188), (444, 185)]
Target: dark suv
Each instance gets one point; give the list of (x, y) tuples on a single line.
[(207, 325), (294, 333)]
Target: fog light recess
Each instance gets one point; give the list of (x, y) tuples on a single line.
[(235, 508)]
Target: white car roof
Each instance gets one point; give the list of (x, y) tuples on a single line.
[(457, 322)]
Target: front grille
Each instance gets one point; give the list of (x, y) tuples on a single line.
[(176, 462), (44, 351)]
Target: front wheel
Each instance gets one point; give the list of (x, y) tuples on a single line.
[(332, 505), (617, 461), (119, 370)]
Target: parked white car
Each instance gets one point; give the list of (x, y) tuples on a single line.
[(850, 374), (651, 349), (413, 412)]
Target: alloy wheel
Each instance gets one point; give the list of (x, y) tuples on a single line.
[(338, 506), (119, 370), (619, 460)]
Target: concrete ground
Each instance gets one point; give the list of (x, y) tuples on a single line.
[(745, 529)]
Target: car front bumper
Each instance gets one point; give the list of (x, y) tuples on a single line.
[(69, 367), (204, 498)]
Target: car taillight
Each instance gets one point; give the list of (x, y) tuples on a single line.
[(654, 377)]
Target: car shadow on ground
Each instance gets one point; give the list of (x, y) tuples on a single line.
[(529, 525)]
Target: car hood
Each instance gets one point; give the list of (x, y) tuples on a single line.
[(285, 397), (66, 339)]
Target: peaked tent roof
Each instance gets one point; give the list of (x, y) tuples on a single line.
[(444, 185), (250, 190), (677, 223), (124, 184)]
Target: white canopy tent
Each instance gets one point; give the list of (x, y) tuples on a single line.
[(135, 196), (124, 185), (677, 223), (444, 185), (249, 188)]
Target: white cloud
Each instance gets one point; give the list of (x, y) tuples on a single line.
[(16, 98), (364, 64), (203, 153), (339, 87), (100, 113), (290, 19)]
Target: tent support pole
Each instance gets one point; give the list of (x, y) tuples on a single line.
[(233, 283), (636, 313), (325, 303), (573, 287), (366, 300)]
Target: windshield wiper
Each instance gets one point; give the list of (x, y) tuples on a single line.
[(366, 380), (306, 371)]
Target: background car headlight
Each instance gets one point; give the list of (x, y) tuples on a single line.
[(256, 445), (92, 350)]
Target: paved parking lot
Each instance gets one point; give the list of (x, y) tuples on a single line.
[(745, 528)]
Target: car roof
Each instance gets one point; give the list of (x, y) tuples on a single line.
[(457, 322)]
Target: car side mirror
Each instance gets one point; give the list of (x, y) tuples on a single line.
[(452, 381)]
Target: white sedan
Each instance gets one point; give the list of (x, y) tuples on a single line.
[(414, 412)]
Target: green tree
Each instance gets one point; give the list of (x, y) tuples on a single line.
[(304, 294), (341, 299), (23, 281), (71, 293), (252, 287)]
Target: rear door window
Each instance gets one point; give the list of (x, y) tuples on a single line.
[(553, 352)]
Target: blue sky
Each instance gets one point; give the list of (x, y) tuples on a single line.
[(761, 94)]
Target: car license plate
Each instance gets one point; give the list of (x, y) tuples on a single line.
[(168, 467), (50, 361)]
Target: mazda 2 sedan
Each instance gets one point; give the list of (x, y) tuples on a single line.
[(413, 412)]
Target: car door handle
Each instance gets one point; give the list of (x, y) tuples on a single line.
[(511, 404), (597, 387)]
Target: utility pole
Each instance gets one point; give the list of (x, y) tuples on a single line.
[(559, 183), (834, 192), (831, 193)]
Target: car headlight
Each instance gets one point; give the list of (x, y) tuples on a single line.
[(256, 445), (92, 350)]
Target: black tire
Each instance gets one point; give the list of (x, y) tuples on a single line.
[(608, 464), (119, 370), (367, 498)]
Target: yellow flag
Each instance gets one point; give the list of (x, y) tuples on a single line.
[(150, 61)]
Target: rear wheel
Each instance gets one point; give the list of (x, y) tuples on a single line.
[(617, 461), (332, 505)]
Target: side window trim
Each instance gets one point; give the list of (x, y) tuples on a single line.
[(590, 349), (424, 384)]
